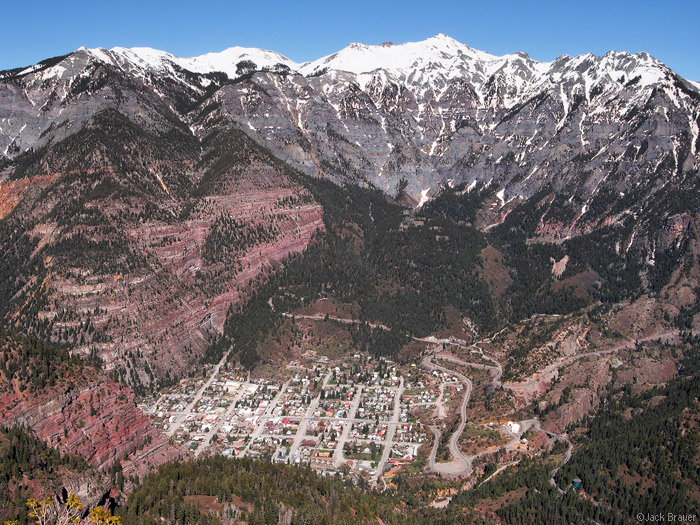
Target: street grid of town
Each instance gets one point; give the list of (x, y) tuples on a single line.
[(357, 415)]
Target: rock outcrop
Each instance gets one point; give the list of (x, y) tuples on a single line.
[(98, 420)]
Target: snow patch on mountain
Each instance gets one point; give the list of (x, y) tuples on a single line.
[(501, 197), (423, 197), (421, 111)]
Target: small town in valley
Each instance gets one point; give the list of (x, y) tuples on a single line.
[(359, 416)]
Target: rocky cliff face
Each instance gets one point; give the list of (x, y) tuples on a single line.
[(438, 112), (126, 220), (99, 420), (69, 404), (432, 112)]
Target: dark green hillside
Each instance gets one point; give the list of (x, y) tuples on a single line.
[(404, 269), (263, 491), (402, 275)]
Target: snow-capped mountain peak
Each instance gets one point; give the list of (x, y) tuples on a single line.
[(227, 60), (144, 57), (430, 63), (439, 50), (422, 111)]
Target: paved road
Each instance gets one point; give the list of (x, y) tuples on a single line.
[(323, 317), (338, 454), (456, 360), (498, 369), (266, 415), (335, 419), (304, 424), (188, 410), (460, 464), (527, 423), (391, 430), (510, 386), (343, 320)]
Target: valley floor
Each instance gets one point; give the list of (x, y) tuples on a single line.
[(356, 416)]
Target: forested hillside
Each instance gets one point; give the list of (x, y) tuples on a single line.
[(404, 268)]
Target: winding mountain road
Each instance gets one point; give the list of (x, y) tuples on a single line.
[(460, 464), (529, 423), (569, 360)]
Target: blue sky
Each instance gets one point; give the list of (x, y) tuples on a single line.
[(308, 30)]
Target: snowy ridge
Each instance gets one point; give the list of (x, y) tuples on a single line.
[(156, 61), (361, 58), (431, 62), (226, 60), (427, 112)]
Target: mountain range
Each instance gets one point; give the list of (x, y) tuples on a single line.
[(148, 201), (598, 140), (432, 112)]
